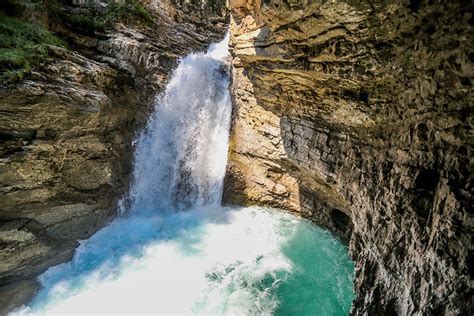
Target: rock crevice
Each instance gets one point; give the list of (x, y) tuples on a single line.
[(66, 131), (358, 115)]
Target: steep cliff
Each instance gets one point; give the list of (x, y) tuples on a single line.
[(66, 128), (358, 115)]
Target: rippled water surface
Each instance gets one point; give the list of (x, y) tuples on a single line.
[(176, 249)]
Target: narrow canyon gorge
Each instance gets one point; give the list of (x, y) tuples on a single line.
[(358, 115), (355, 115), (67, 129)]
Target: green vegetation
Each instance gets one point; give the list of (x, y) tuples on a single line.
[(95, 18), (128, 11), (24, 40), (87, 22), (213, 6), (23, 45)]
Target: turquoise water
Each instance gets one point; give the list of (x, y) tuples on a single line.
[(222, 261), (321, 280), (176, 250)]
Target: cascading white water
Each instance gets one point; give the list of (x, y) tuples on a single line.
[(180, 159), (177, 250)]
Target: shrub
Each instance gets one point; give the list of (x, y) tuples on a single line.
[(87, 22), (94, 18), (23, 45), (130, 11)]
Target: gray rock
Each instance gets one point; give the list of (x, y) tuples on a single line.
[(357, 115), (66, 136)]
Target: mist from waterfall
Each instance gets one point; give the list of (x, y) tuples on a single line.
[(176, 249), (181, 157)]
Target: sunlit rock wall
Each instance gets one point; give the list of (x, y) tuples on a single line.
[(358, 115)]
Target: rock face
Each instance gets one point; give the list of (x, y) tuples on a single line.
[(66, 136), (358, 115)]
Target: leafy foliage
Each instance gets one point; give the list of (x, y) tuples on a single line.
[(87, 22), (94, 17), (129, 10), (23, 45), (24, 41)]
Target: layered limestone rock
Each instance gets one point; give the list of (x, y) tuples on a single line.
[(358, 115), (66, 135)]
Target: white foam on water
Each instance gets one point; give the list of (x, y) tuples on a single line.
[(178, 251), (207, 262)]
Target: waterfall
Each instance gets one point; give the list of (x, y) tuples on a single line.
[(180, 158), (176, 250)]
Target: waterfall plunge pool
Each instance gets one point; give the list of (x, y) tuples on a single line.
[(223, 261), (177, 251)]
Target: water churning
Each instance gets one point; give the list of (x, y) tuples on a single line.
[(176, 249)]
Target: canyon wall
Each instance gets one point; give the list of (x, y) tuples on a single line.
[(66, 130), (358, 116)]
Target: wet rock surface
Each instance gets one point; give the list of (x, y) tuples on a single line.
[(66, 135), (358, 115)]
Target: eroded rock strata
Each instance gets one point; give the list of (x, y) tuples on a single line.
[(66, 132), (358, 115)]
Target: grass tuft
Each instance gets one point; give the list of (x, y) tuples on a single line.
[(23, 45)]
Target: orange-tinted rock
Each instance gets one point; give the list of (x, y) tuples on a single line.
[(358, 115)]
